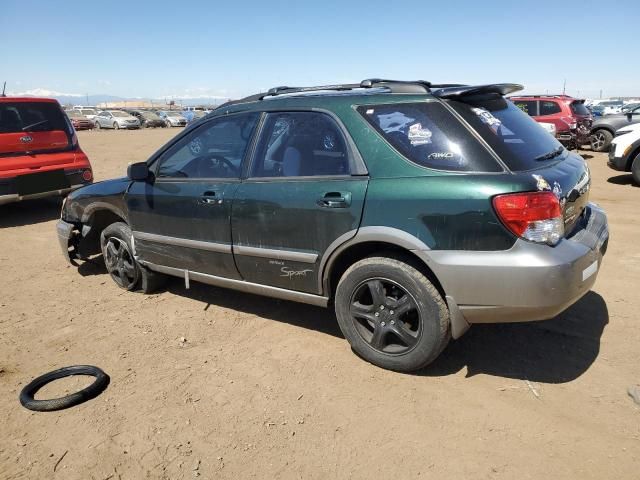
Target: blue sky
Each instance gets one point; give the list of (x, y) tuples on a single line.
[(209, 48)]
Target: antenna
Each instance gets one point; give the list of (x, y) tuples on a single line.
[(4, 87)]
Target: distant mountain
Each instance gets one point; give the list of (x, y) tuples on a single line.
[(81, 99)]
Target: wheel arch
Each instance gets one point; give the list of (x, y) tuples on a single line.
[(635, 151), (366, 242), (95, 218), (608, 128)]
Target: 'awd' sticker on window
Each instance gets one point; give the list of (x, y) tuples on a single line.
[(419, 135)]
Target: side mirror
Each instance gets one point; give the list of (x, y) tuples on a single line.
[(629, 115), (138, 172)]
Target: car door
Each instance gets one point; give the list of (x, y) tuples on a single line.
[(181, 217), (304, 191)]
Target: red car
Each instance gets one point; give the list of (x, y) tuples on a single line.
[(79, 121), (39, 151), (570, 116)]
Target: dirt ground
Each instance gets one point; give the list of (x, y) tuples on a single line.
[(217, 384)]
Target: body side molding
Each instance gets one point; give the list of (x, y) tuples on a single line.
[(183, 242), (241, 285)]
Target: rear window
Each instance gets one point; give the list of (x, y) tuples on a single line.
[(429, 135), (578, 108), (517, 139), (18, 117)]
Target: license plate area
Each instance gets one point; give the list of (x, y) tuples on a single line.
[(41, 182)]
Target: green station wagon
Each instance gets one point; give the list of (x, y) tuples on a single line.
[(415, 210)]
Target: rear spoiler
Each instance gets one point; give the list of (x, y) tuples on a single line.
[(469, 90)]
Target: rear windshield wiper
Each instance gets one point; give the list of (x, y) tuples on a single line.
[(37, 124), (550, 155)]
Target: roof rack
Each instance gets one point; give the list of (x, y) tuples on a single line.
[(393, 86)]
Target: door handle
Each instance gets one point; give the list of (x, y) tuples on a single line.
[(335, 200), (210, 198)]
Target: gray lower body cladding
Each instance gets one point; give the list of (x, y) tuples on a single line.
[(527, 282)]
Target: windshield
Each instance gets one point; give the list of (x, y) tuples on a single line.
[(75, 114), (119, 114), (174, 114), (517, 139), (88, 111), (150, 115)]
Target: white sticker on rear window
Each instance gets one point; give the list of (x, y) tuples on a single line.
[(418, 135), (486, 117)]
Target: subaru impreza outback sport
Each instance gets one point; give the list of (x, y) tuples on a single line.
[(415, 210)]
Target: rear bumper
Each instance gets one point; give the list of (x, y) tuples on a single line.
[(9, 192), (529, 281)]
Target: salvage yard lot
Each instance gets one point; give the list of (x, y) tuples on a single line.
[(218, 384)]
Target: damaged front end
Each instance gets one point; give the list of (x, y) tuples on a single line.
[(69, 236)]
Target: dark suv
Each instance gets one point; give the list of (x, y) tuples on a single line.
[(414, 209), (570, 116)]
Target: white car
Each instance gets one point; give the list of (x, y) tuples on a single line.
[(624, 153)]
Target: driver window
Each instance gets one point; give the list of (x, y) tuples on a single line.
[(215, 150)]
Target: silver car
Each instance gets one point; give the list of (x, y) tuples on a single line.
[(116, 119), (173, 118)]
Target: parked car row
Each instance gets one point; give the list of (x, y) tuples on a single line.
[(89, 118), (574, 121)]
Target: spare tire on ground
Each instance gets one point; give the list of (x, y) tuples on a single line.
[(28, 392)]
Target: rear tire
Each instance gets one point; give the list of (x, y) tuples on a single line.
[(600, 140), (635, 170), (126, 272), (391, 314)]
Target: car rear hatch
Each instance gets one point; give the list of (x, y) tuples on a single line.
[(30, 128), (539, 161)]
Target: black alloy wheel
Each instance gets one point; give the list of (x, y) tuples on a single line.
[(120, 263), (386, 316)]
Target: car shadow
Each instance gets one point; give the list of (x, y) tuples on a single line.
[(283, 311), (622, 180), (30, 212), (551, 351)]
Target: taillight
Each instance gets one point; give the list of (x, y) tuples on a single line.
[(534, 216), (570, 121)]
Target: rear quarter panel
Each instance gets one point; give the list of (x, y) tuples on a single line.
[(445, 212)]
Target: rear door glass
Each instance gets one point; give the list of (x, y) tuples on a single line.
[(530, 107), (517, 139), (427, 134), (549, 108)]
